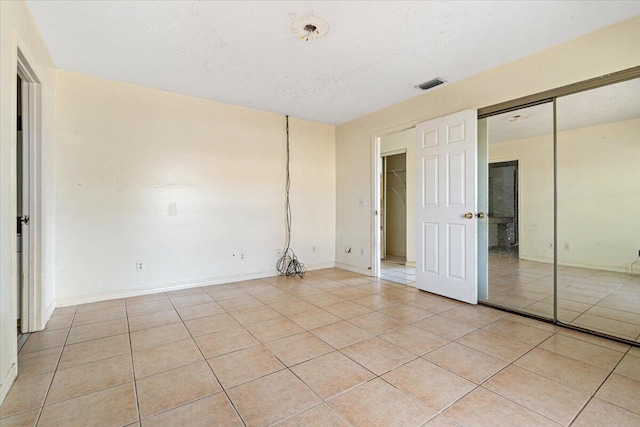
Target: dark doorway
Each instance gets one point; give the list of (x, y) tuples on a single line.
[(503, 209)]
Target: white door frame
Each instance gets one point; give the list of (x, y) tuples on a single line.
[(31, 242), (376, 137)]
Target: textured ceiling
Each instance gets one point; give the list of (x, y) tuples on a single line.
[(245, 53), (607, 104)]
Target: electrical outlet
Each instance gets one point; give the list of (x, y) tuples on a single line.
[(361, 252), (139, 265), (313, 248), (241, 256), (550, 245), (566, 246)]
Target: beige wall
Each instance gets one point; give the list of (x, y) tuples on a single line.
[(611, 49), (17, 30), (183, 184), (406, 140)]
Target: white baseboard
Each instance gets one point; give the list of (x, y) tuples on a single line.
[(7, 382), (168, 287), (354, 269)]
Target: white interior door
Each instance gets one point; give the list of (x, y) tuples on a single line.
[(446, 244)]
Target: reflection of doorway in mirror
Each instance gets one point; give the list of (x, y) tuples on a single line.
[(503, 209)]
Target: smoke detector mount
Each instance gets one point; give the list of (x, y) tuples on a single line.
[(310, 27)]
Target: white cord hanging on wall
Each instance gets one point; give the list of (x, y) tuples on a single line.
[(310, 27)]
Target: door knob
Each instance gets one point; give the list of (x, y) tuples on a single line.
[(468, 215), (480, 215), (24, 219)]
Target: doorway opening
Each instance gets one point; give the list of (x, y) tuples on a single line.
[(503, 209)]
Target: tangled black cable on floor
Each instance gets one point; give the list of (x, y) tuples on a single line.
[(288, 264)]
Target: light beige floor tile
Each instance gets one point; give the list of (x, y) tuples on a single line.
[(102, 315), (484, 408), (149, 307), (146, 298), (570, 372), (518, 331), (210, 324), (222, 292), (242, 366), (314, 318), (635, 351), (347, 310), (435, 304), (331, 374), (152, 337), (608, 326), (583, 351), (432, 385), (298, 348), (542, 395), (620, 315), (629, 367), (532, 322), (92, 351), (255, 400), (416, 340), (406, 313), (601, 413), (164, 357), (44, 340), (621, 391), (213, 410), (599, 341), (64, 311), (38, 362), (223, 342), (444, 327), (152, 320), (376, 323), (477, 316), (185, 292), (113, 406), (100, 305), (173, 388), (292, 306), (377, 403), (241, 303), (341, 334), (23, 419), (26, 394), (189, 300), (91, 377), (250, 316), (271, 330), (201, 310), (471, 364), (439, 421), (494, 345), (376, 302), (320, 415), (323, 299), (59, 322), (377, 355), (97, 330)]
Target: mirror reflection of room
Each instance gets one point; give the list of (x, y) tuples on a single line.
[(599, 209)]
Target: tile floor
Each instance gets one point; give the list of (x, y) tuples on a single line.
[(333, 349), (603, 301), (393, 269)]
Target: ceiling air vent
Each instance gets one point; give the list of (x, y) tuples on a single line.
[(431, 83)]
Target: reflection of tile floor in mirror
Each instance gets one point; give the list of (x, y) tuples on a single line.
[(336, 348), (604, 301), (393, 269)]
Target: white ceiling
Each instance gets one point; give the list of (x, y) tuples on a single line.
[(246, 53), (607, 104)]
